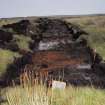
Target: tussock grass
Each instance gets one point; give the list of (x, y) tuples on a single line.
[(32, 91), (27, 96), (37, 95)]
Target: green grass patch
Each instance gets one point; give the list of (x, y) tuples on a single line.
[(95, 26), (6, 58), (23, 41), (96, 39)]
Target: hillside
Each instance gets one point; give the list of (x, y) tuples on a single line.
[(93, 24), (20, 38)]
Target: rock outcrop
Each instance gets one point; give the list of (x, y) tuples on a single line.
[(58, 51)]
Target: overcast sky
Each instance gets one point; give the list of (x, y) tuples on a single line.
[(20, 8)]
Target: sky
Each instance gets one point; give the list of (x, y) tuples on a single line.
[(23, 8)]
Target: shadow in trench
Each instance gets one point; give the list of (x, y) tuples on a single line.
[(14, 70)]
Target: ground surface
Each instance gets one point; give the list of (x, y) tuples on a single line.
[(93, 25)]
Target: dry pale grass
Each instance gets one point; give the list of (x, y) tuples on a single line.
[(39, 95), (31, 93)]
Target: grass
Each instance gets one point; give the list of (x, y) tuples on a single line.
[(95, 26), (6, 58), (30, 92), (36, 95), (97, 40), (23, 41)]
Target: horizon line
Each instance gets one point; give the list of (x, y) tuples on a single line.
[(91, 14)]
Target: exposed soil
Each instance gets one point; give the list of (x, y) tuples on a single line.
[(58, 51)]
